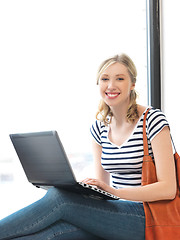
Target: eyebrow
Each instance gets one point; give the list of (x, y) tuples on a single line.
[(104, 74), (120, 74)]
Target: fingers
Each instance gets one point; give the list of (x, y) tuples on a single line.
[(97, 183), (88, 180), (93, 181)]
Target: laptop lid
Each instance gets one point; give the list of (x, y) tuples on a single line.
[(43, 158)]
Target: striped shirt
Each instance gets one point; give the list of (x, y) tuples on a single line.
[(124, 162)]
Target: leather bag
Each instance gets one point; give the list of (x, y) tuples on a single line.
[(162, 217)]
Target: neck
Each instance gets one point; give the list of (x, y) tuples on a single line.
[(119, 114)]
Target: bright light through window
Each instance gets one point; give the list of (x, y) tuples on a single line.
[(49, 55)]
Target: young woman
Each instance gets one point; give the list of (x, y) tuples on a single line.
[(118, 153)]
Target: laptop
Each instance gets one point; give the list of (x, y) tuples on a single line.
[(46, 164)]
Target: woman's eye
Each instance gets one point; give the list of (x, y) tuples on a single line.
[(104, 79), (120, 79)]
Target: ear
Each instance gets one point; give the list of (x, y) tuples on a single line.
[(133, 86)]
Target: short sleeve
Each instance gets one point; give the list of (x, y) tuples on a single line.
[(156, 121), (95, 131)]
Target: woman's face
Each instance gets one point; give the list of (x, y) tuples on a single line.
[(115, 85)]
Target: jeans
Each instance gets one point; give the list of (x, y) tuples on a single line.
[(64, 215)]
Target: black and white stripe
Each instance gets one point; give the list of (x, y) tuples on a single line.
[(125, 162)]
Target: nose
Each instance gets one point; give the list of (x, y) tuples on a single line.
[(111, 85)]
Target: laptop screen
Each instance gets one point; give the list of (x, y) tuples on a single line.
[(43, 158)]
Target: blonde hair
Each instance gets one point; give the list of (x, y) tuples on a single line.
[(104, 112)]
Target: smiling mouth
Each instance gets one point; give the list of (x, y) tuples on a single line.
[(112, 95)]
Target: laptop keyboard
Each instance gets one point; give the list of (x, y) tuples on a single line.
[(98, 190)]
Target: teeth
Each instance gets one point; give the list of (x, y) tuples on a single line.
[(112, 95)]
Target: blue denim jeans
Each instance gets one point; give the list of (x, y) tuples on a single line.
[(65, 215)]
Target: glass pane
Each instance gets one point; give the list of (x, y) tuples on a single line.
[(50, 52)]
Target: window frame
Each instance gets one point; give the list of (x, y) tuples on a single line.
[(153, 8)]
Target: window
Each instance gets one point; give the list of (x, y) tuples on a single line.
[(50, 52)]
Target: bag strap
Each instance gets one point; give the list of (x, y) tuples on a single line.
[(173, 144), (145, 141)]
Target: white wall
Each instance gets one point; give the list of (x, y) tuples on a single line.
[(171, 65)]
